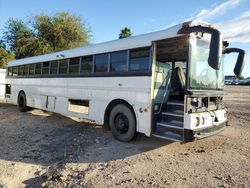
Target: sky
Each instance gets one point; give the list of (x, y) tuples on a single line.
[(107, 17)]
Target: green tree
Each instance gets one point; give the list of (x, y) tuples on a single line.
[(5, 55), (126, 32), (45, 34), (15, 33), (62, 31)]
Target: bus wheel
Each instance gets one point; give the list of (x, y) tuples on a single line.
[(22, 102), (122, 123)]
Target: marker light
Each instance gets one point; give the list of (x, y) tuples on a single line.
[(186, 24), (211, 26)]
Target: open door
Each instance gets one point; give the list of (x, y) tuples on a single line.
[(171, 55)]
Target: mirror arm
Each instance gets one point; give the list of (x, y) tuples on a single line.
[(240, 59), (233, 50)]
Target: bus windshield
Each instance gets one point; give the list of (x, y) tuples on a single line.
[(201, 75)]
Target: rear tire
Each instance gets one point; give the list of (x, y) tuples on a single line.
[(22, 104), (122, 123)]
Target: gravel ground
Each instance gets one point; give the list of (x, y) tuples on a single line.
[(41, 149)]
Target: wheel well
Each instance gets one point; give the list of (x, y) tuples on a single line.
[(110, 107)]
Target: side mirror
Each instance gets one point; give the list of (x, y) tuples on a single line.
[(215, 48), (240, 62)]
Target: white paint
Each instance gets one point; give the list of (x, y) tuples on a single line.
[(99, 91), (2, 83)]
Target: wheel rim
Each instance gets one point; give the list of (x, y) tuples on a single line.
[(121, 123)]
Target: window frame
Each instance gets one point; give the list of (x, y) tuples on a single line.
[(79, 65), (126, 61), (36, 69), (9, 71), (13, 68), (26, 66), (67, 66), (108, 60), (149, 59), (92, 65), (50, 64), (33, 64), (19, 68), (91, 71), (47, 67)]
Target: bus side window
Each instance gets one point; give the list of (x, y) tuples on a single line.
[(10, 71), (38, 68), (139, 59), (53, 67), (118, 61), (45, 69), (74, 64), (101, 63), (86, 64), (20, 70), (14, 71), (31, 69), (63, 66), (26, 70)]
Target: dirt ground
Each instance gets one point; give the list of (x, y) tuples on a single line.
[(40, 149)]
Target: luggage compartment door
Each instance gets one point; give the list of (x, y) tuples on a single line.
[(48, 102)]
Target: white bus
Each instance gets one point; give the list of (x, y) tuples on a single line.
[(167, 84)]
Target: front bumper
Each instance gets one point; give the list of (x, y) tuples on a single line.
[(191, 135)]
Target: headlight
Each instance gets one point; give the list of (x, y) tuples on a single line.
[(196, 121), (202, 120)]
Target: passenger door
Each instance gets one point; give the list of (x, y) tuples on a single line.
[(162, 83)]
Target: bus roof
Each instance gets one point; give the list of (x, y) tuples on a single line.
[(111, 46)]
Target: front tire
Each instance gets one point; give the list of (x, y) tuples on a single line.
[(22, 104), (122, 123)]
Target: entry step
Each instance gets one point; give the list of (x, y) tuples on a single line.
[(176, 103), (168, 136), (178, 113), (171, 124)]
